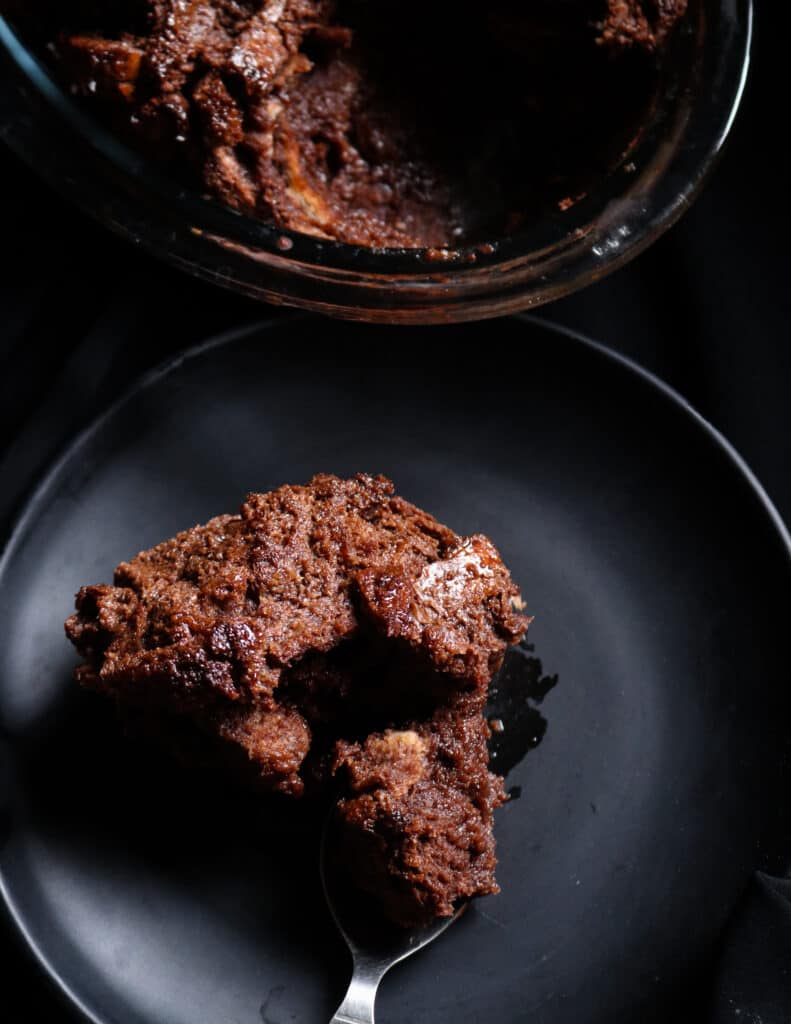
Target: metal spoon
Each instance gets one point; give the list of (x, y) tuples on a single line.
[(375, 943)]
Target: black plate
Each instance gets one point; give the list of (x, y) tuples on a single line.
[(657, 571)]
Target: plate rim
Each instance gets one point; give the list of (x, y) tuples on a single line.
[(30, 504)]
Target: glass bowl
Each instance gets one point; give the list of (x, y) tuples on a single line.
[(557, 254)]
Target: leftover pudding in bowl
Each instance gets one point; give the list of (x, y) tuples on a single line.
[(387, 125)]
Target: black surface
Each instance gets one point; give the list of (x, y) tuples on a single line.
[(661, 588)]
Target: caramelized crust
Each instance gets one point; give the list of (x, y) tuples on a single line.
[(316, 608)]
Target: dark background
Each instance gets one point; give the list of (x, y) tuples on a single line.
[(706, 309)]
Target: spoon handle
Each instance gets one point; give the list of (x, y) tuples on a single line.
[(358, 1003)]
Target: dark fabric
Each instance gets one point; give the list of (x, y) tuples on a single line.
[(707, 308), (753, 978)]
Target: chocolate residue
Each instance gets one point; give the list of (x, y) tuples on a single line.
[(513, 695), (380, 124)]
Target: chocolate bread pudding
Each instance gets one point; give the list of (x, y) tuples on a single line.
[(417, 821), (377, 124), (329, 636)]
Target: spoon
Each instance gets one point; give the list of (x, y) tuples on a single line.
[(375, 943)]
